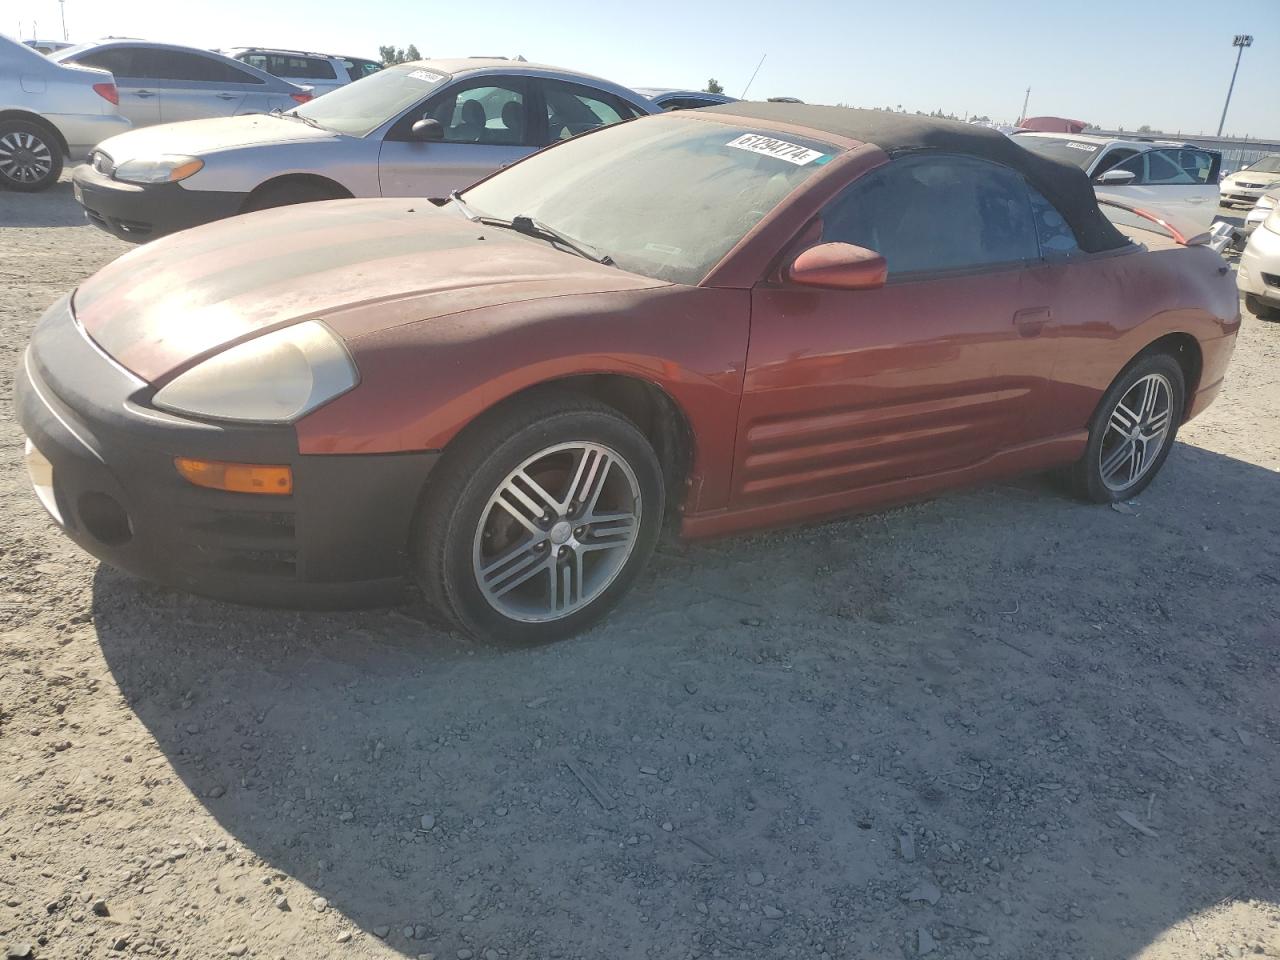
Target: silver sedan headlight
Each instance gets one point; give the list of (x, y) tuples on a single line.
[(163, 169), (275, 378)]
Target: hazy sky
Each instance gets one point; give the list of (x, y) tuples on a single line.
[(1109, 62)]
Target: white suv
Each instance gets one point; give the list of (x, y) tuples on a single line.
[(321, 71), (1166, 177)]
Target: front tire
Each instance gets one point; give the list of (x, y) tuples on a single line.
[(1132, 431), (286, 195), (541, 519), (30, 157)]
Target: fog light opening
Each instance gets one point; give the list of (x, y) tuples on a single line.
[(104, 519)]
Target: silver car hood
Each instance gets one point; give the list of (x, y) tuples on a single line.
[(200, 137)]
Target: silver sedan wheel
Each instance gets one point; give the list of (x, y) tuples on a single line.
[(1136, 432), (24, 157), (557, 531)]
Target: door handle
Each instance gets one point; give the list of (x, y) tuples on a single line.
[(226, 96), (143, 93), (1032, 321)]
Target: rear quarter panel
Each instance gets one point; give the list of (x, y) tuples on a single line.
[(1108, 308), (423, 382)]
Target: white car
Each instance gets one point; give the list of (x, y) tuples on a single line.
[(321, 72), (1261, 210), (1259, 274), (1247, 185), (1163, 176), (420, 129), (49, 113)]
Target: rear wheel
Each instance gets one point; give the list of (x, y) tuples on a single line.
[(1132, 431), (30, 157), (541, 520), (287, 194)]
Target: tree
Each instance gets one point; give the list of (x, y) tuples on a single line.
[(1145, 128), (392, 55), (713, 86)]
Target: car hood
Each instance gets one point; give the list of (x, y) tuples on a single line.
[(360, 265), (197, 137), (1251, 176)]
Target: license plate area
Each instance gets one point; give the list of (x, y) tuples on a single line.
[(40, 472)]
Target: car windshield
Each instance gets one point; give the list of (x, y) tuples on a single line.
[(1081, 153), (1266, 165), (361, 107), (665, 197)]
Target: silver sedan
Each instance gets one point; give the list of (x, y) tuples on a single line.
[(419, 129)]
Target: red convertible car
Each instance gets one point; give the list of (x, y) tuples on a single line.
[(750, 315)]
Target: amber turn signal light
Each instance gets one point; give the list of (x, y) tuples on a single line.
[(236, 477)]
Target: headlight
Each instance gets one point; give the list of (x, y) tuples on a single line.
[(274, 378), (158, 169)]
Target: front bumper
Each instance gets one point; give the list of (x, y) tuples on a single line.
[(140, 212), (341, 539), (1259, 270), (1233, 193)]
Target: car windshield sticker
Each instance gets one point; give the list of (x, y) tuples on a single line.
[(779, 149), (427, 76), (1086, 147)]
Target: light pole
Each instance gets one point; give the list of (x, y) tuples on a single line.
[(1241, 41)]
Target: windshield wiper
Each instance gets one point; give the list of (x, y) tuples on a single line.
[(532, 228), (536, 228)]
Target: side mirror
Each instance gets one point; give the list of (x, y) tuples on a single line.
[(427, 129), (1115, 178), (839, 266)]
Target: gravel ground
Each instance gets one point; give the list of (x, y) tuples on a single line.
[(998, 724)]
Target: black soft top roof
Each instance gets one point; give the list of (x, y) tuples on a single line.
[(1066, 187)]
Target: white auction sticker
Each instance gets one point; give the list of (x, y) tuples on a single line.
[(1086, 147), (781, 149), (428, 76)]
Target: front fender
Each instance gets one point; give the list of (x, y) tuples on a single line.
[(422, 383)]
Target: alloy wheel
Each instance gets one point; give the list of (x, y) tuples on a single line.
[(1137, 432), (24, 157), (557, 531)]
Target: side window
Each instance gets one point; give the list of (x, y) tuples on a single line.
[(1163, 167), (1056, 237), (308, 68), (486, 112), (1197, 164), (928, 214), (573, 109), (1137, 165), (189, 67), (1112, 159), (119, 60)]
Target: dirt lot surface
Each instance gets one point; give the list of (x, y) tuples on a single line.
[(999, 724)]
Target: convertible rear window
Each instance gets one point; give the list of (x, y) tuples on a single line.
[(664, 197), (360, 108)]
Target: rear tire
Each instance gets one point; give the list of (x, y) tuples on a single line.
[(287, 194), (539, 520), (30, 156), (1132, 431), (1261, 310)]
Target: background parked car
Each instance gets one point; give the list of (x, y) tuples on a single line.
[(670, 99), (47, 46), (1245, 186), (1161, 176), (1258, 276), (417, 129), (162, 83), (1261, 210), (49, 112), (320, 71)]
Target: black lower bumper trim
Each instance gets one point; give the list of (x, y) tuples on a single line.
[(140, 212), (341, 539)]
